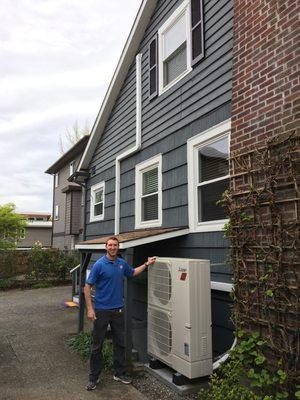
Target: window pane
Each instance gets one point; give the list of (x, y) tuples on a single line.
[(213, 160), (98, 209), (208, 195), (98, 196), (150, 181), (175, 65), (174, 37), (150, 208)]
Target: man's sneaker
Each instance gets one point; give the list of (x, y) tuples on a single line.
[(91, 385), (123, 378)]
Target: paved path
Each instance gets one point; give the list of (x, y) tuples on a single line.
[(35, 362)]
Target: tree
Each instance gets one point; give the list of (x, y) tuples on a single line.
[(12, 226), (73, 135)]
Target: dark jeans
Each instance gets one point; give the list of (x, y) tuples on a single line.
[(116, 320)]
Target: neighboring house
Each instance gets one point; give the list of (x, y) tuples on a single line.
[(38, 229), (158, 153), (67, 226)]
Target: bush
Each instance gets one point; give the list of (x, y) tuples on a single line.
[(8, 267), (246, 376), (50, 263), (6, 283), (81, 344)]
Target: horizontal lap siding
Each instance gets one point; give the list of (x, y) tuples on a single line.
[(197, 102)]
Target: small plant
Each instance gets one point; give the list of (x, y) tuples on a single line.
[(40, 285), (81, 344), (245, 376), (6, 283)]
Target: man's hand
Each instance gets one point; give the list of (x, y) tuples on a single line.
[(151, 260), (91, 314)]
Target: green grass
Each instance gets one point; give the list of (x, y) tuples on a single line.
[(81, 344)]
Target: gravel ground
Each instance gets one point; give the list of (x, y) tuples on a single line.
[(153, 389)]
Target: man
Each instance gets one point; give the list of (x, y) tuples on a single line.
[(107, 275)]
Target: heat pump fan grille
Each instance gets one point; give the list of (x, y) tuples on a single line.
[(160, 332), (161, 283)]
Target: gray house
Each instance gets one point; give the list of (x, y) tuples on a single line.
[(38, 229), (157, 159), (67, 226)]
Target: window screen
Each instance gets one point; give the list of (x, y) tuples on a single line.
[(98, 203), (213, 166), (174, 50), (150, 195)]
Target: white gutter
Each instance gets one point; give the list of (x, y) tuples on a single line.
[(138, 140)]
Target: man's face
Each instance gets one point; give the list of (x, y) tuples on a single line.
[(112, 248)]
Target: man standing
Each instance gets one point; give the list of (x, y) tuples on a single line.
[(107, 276)]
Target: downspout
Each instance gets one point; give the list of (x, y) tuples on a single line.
[(138, 140)]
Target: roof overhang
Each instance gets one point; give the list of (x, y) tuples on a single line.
[(69, 156), (129, 52), (79, 177), (135, 238), (71, 188)]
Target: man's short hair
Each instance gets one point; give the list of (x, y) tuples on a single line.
[(112, 238)]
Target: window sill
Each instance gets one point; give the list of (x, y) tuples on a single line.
[(210, 226), (97, 218), (148, 224), (179, 77)]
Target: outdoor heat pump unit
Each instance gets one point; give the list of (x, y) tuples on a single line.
[(179, 315)]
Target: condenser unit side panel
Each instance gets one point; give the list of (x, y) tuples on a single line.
[(200, 294)]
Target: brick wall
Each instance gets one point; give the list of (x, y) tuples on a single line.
[(264, 203), (265, 94)]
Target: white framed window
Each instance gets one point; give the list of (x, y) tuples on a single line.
[(148, 193), (208, 177), (72, 165), (56, 179), (56, 213), (97, 202), (174, 47)]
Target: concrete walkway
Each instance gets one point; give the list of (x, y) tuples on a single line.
[(35, 362)]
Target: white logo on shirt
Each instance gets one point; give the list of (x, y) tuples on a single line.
[(121, 266)]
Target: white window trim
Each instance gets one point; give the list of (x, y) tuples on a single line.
[(184, 8), (94, 188), (139, 170), (193, 144), (56, 179), (56, 213)]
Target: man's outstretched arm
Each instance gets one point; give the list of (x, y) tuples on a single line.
[(141, 268)]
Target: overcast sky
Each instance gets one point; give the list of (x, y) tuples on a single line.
[(57, 58)]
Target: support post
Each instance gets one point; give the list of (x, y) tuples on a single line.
[(128, 292), (85, 259)]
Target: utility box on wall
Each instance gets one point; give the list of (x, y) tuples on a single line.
[(179, 315)]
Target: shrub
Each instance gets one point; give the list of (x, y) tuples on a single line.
[(81, 344), (246, 375), (6, 283)]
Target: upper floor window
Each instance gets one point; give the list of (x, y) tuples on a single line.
[(72, 165), (178, 46), (97, 202), (56, 179), (208, 177), (148, 202)]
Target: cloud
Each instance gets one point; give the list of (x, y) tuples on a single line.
[(57, 59)]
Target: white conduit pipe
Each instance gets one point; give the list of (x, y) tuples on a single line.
[(138, 140), (224, 356)]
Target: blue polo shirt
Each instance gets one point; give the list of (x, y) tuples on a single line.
[(108, 276)]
